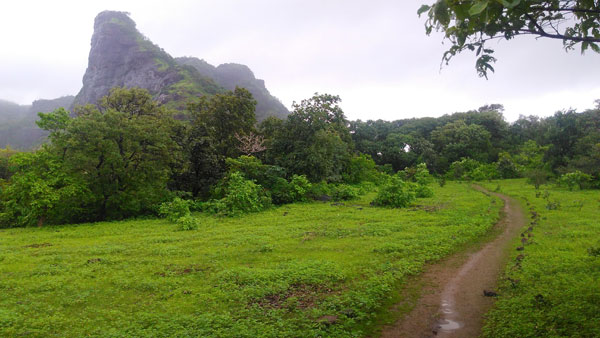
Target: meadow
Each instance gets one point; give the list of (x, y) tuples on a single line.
[(551, 285), (306, 269)]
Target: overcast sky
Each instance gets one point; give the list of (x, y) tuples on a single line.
[(373, 53)]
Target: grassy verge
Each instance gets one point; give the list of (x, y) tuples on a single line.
[(302, 270), (551, 287)]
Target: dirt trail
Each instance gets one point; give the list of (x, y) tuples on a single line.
[(452, 303)]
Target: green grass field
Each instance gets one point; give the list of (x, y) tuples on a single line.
[(302, 270), (551, 287)]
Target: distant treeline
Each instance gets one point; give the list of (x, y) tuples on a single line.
[(128, 155), (566, 142)]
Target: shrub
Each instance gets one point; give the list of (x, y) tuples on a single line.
[(299, 188), (537, 177), (460, 170), (253, 169), (343, 192), (419, 175), (175, 209), (386, 169), (395, 194), (240, 196), (506, 166), (320, 191), (188, 222), (484, 172), (422, 191), (361, 168), (365, 187), (422, 175), (281, 192), (296, 190), (576, 179)]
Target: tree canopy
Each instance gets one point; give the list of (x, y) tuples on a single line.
[(470, 24)]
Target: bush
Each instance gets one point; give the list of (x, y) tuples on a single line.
[(419, 175), (460, 170), (422, 175), (343, 192), (299, 188), (484, 172), (320, 191), (188, 222), (361, 168), (175, 209), (281, 192), (537, 177), (253, 169), (423, 191), (365, 187), (506, 166), (576, 179), (395, 194), (470, 170), (240, 196)]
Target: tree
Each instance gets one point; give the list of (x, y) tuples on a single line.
[(470, 24), (457, 139), (251, 143), (121, 149), (212, 135), (223, 116), (5, 155), (315, 140), (40, 191)]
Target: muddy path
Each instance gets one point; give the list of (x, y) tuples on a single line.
[(452, 302)]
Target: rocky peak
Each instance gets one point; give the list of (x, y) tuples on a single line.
[(121, 56)]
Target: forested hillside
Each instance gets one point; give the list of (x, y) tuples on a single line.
[(17, 123)]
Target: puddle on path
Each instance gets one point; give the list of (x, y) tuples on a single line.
[(449, 325)]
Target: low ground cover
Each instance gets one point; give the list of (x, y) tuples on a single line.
[(305, 269), (551, 286)]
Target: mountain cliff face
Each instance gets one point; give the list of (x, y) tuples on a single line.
[(230, 75), (121, 56), (18, 129)]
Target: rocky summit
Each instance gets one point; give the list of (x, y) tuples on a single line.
[(121, 56)]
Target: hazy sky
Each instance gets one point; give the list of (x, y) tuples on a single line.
[(373, 53)]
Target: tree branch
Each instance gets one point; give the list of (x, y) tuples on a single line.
[(564, 9)]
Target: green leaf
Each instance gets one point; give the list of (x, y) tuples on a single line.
[(509, 4), (478, 7), (441, 12), (423, 9)]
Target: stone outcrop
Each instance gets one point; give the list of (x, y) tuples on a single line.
[(121, 56)]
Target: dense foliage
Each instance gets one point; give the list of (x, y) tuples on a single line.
[(471, 24), (126, 156)]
